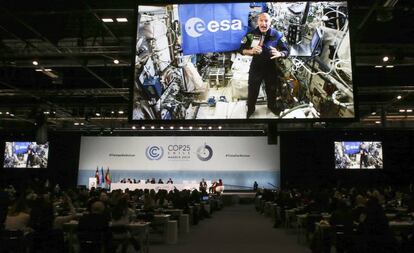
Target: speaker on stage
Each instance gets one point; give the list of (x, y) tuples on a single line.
[(272, 134), (41, 131)]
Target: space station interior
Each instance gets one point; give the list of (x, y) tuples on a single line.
[(171, 86)]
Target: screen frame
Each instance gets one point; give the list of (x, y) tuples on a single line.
[(355, 117), (25, 168), (359, 140)]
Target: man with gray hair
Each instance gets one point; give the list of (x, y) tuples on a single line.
[(266, 45)]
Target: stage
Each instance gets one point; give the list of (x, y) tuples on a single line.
[(232, 197)]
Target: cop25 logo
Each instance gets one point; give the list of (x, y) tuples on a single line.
[(154, 152), (204, 152), (195, 27)]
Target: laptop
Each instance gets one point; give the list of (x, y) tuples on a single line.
[(308, 50)]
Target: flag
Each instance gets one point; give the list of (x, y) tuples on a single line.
[(97, 176), (108, 177), (208, 28), (103, 177)]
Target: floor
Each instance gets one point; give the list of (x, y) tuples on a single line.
[(235, 229)]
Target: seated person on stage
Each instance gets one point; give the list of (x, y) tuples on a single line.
[(153, 181), (212, 189), (160, 181), (219, 186), (170, 181), (147, 181), (123, 181), (203, 185), (129, 181), (135, 181)]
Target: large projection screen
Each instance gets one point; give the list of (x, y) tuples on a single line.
[(238, 161), (358, 155), (25, 154), (229, 61)]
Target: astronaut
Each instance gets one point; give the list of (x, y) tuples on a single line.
[(266, 45)]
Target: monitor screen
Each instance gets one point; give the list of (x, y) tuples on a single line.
[(25, 155), (238, 61), (358, 155)]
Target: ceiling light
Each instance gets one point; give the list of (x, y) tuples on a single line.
[(121, 112), (409, 110), (161, 127), (133, 127), (116, 61), (385, 59), (378, 66), (181, 127), (11, 114), (377, 122), (389, 66), (98, 114), (171, 127), (190, 127), (38, 70), (82, 123), (143, 127), (46, 112), (200, 128), (373, 113), (399, 97), (112, 112), (7, 113), (210, 127), (219, 127), (402, 110), (107, 20), (1, 113), (121, 20), (35, 63), (152, 127), (76, 124)]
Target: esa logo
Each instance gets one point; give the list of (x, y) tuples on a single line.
[(195, 27), (154, 152), (204, 153)]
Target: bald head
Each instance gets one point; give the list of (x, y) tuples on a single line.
[(263, 22), (97, 207)]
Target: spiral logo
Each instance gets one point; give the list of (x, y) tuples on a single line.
[(154, 152), (195, 27), (204, 153)]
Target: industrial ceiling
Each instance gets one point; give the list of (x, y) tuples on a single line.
[(78, 86)]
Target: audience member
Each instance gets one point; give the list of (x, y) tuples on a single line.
[(18, 215)]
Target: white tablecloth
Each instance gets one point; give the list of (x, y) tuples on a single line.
[(156, 187)]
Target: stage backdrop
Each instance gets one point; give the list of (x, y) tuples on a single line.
[(238, 161)]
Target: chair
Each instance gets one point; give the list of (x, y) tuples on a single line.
[(12, 241), (51, 241), (341, 238), (93, 241), (119, 238)]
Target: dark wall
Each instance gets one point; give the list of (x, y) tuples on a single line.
[(307, 158)]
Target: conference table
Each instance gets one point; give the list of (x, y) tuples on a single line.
[(156, 187)]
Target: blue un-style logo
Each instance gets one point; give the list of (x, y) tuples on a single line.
[(154, 152)]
